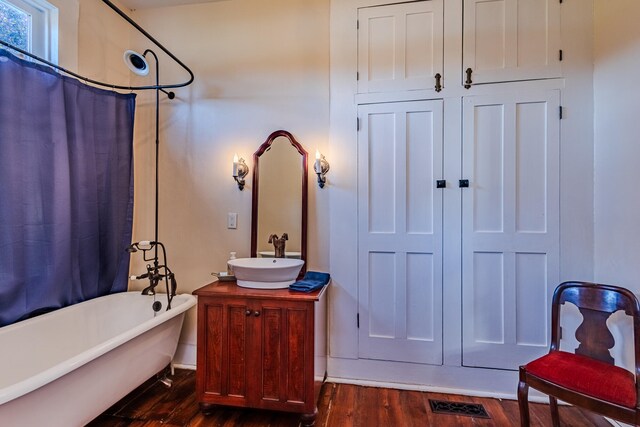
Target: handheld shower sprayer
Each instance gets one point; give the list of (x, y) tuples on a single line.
[(143, 245), (156, 271)]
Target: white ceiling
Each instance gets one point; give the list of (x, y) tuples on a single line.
[(147, 4)]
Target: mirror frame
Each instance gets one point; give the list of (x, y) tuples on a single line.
[(254, 206)]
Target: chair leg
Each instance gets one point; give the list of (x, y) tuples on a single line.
[(523, 403), (555, 416)]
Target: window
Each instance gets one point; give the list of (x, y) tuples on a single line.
[(31, 25)]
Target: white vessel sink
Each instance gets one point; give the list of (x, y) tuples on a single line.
[(266, 273)]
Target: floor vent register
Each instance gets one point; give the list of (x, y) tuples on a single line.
[(458, 408)]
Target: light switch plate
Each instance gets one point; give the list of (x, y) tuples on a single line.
[(232, 220)]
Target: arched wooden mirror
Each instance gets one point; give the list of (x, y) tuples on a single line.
[(279, 196)]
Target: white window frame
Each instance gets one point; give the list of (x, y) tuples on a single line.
[(43, 37)]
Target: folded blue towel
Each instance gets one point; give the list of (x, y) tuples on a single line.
[(311, 281)]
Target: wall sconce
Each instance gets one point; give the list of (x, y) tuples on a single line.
[(240, 170), (321, 167)]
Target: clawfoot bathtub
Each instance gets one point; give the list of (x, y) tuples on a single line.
[(66, 367)]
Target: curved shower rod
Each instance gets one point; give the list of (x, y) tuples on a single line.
[(109, 85)]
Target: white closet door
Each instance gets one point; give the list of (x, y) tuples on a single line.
[(510, 227), (400, 46), (400, 231), (509, 40)]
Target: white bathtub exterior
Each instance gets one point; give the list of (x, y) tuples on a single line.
[(66, 367)]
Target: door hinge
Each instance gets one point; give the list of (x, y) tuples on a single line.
[(358, 21), (357, 124), (560, 112), (357, 76), (358, 320), (560, 55)]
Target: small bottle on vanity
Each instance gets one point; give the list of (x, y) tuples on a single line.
[(232, 255)]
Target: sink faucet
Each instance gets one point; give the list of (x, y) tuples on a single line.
[(278, 244)]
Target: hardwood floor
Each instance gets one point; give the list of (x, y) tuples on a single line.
[(340, 405)]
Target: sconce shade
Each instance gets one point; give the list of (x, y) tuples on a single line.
[(321, 167), (240, 170), (136, 63)]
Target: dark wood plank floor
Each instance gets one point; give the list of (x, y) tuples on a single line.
[(340, 405)]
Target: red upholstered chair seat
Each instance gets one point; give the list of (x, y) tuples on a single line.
[(588, 376), (588, 379)]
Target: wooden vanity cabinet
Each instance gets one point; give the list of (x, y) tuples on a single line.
[(260, 349)]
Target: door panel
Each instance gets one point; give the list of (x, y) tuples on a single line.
[(297, 322), (211, 342), (237, 339), (400, 46), (510, 227), (530, 297), (400, 231), (382, 290), (510, 40), (488, 176), (382, 173), (420, 288), (272, 348)]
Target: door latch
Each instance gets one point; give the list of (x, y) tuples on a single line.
[(467, 83)]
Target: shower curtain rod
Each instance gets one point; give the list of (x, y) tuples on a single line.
[(108, 85)]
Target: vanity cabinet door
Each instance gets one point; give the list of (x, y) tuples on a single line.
[(284, 338), (223, 351)]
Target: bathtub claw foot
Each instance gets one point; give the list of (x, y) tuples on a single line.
[(166, 381)]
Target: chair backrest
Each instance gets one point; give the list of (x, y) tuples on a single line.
[(596, 302)]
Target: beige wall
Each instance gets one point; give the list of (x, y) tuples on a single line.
[(103, 36), (259, 66), (617, 59), (91, 39), (68, 14), (616, 130)]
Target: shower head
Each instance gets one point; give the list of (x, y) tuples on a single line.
[(136, 63)]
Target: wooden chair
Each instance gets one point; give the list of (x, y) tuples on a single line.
[(588, 378)]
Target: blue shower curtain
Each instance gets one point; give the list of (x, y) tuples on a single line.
[(66, 189)]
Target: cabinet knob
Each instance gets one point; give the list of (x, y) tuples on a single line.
[(256, 313), (248, 312)]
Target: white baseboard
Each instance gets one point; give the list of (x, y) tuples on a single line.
[(458, 380), (185, 355), (187, 367), (436, 389)]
